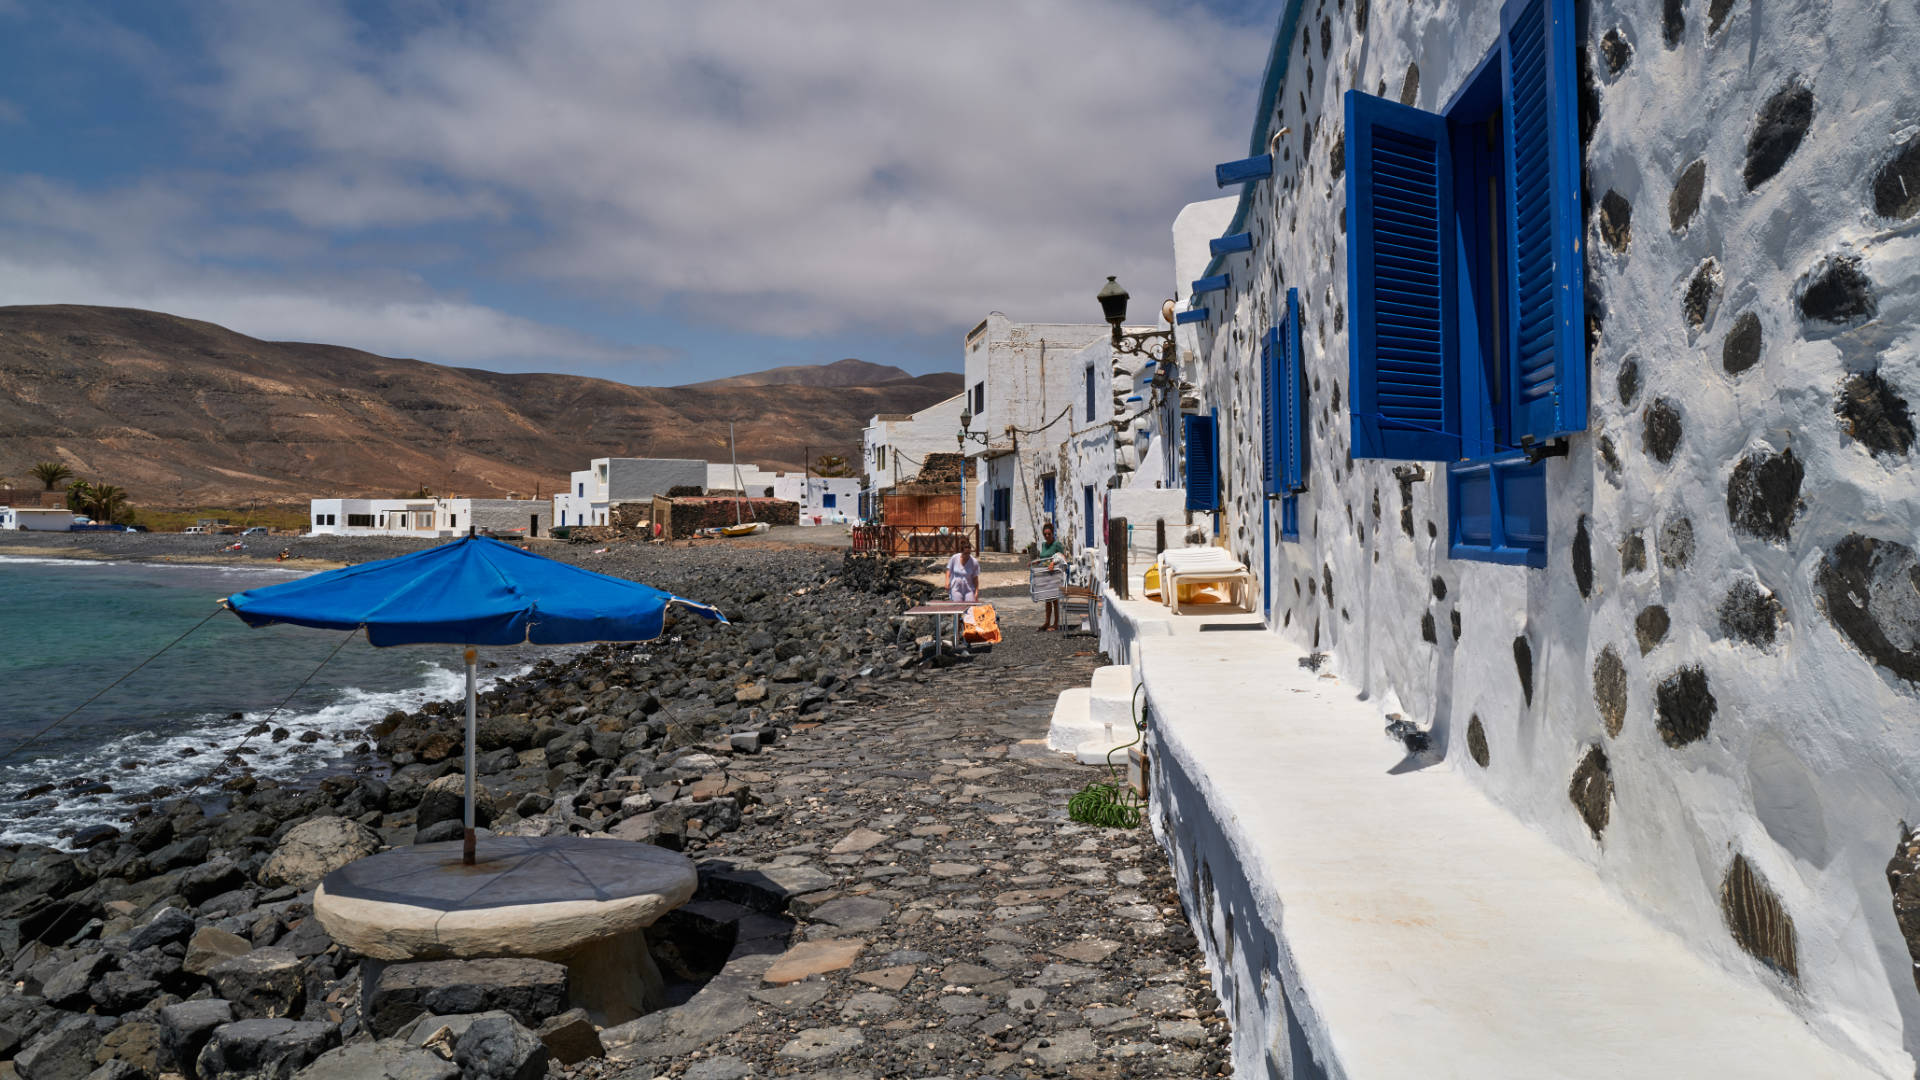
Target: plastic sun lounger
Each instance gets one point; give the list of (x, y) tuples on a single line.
[(1187, 567)]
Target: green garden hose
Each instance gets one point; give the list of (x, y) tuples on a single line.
[(1110, 803)]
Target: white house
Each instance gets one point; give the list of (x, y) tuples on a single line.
[(894, 446), (606, 481), (1027, 389), (820, 498), (752, 480), (1547, 375), (41, 518), (429, 517)]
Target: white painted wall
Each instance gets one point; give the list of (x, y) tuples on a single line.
[(721, 477), (895, 448), (42, 519), (1813, 761), (813, 494)]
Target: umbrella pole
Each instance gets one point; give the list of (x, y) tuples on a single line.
[(467, 849)]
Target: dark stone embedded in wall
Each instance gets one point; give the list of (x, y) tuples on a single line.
[(1684, 707), (1326, 36), (1896, 187), (1777, 132), (1717, 15), (1477, 741), (1650, 627), (1673, 21), (1592, 790), (1676, 543), (1702, 290), (1687, 189), (1741, 350), (1376, 504), (1454, 616), (1903, 877), (1628, 381), (1750, 613), (1523, 663), (1410, 86), (1838, 290), (1875, 414), (1616, 50), (1439, 586), (1335, 393), (1337, 156), (1360, 15), (1433, 531), (1763, 497), (1608, 454), (1662, 435), (1616, 220), (1429, 633), (1758, 922), (1326, 579), (1589, 116), (1596, 315), (1610, 690), (1583, 558), (1872, 593), (1633, 554)]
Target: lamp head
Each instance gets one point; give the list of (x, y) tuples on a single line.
[(1113, 302)]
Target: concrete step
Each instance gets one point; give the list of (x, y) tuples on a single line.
[(1073, 720), (1112, 704)]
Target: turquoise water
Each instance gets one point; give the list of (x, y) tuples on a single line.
[(69, 628)]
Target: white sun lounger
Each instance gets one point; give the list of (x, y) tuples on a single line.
[(1203, 566)]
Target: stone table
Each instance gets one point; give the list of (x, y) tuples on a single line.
[(578, 901)]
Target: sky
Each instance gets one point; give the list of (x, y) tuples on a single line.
[(656, 193)]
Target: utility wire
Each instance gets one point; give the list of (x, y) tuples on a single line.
[(35, 737), (232, 756)]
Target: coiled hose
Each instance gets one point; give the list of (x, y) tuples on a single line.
[(1110, 803)]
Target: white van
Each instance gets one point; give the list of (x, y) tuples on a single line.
[(193, 529)]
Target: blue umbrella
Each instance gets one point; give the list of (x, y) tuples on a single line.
[(474, 591)]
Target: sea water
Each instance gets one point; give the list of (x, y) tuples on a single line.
[(68, 628)]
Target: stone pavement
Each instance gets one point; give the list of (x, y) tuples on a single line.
[(951, 921)]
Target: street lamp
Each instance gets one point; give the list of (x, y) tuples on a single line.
[(1113, 304), (966, 429)]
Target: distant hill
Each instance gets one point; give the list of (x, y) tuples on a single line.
[(849, 372), (181, 412)]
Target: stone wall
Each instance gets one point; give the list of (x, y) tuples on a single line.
[(682, 517), (1711, 693)]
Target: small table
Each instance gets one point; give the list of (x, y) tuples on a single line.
[(578, 901), (940, 609)]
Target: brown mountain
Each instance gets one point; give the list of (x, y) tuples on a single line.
[(181, 413), (848, 372)]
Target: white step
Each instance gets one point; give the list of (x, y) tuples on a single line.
[(1072, 721), (1112, 705)]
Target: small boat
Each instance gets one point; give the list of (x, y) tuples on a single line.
[(751, 528)]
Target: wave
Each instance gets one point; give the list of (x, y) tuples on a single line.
[(141, 761)]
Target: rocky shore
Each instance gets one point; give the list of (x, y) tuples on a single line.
[(889, 884)]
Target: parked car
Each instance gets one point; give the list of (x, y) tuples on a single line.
[(257, 530)]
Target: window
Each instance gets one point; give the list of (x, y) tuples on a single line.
[(580, 489), (453, 521), (333, 519), (359, 521), (1047, 495), (1086, 493), (1003, 504), (1090, 402), (829, 500), (979, 398), (1465, 280), (879, 457), (1203, 473)]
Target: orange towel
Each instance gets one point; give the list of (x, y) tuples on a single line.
[(980, 626)]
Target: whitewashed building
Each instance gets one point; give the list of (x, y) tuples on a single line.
[(606, 482), (751, 480), (429, 517), (895, 446), (1551, 373), (820, 498)]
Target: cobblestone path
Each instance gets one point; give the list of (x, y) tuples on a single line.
[(951, 920)]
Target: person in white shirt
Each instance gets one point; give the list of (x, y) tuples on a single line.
[(963, 575)]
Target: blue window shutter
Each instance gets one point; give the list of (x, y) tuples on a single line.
[(1203, 470), (1548, 376), (1270, 396), (1293, 433), (1400, 266)]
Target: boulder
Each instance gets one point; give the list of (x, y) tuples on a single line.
[(210, 879), (571, 1038), (388, 1059), (184, 1029), (313, 849), (211, 946), (495, 1046), (167, 926), (530, 990), (69, 986), (122, 991), (115, 1069), (446, 799), (64, 1051), (135, 1043), (510, 732), (265, 1049), (262, 984)]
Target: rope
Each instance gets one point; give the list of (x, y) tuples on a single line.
[(35, 737)]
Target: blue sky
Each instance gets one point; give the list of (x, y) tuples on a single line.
[(656, 193)]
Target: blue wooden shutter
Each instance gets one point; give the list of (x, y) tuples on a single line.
[(1270, 393), (1293, 428), (1547, 379), (1203, 471), (1400, 282)]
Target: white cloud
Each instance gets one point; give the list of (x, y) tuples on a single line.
[(777, 167)]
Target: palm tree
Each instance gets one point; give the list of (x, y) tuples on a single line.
[(105, 502), (50, 473), (78, 493)]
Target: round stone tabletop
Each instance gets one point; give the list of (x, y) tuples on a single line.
[(525, 896)]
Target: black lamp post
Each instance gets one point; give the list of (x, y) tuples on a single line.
[(1157, 344), (966, 429)]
